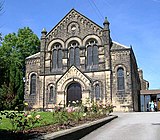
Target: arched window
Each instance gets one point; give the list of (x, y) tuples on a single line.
[(57, 57), (52, 95), (120, 79), (33, 84), (97, 92), (92, 54), (74, 57)]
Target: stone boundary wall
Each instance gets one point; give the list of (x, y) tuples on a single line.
[(77, 132)]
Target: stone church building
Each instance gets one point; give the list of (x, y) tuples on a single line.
[(79, 60)]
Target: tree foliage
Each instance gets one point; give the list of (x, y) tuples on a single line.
[(15, 48)]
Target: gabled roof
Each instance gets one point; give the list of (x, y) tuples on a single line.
[(118, 46), (73, 71), (36, 55), (72, 16)]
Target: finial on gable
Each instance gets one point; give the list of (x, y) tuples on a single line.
[(105, 21), (44, 31)]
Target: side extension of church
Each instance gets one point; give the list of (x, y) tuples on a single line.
[(79, 60)]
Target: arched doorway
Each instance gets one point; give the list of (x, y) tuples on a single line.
[(74, 93)]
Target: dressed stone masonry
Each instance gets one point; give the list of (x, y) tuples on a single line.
[(78, 60)]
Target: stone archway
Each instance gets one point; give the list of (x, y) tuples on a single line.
[(74, 93)]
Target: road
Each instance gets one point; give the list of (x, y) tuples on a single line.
[(129, 126)]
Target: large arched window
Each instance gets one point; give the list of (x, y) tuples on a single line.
[(33, 84), (74, 57), (92, 55), (97, 92), (57, 57), (120, 79), (52, 95)]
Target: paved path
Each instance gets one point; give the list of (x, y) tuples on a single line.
[(129, 126)]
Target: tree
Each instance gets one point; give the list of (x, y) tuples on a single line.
[(15, 48)]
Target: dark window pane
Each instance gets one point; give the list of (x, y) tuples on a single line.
[(120, 79), (71, 56), (77, 57), (54, 60), (56, 57), (33, 84), (51, 94), (97, 91), (89, 56), (95, 55), (59, 58)]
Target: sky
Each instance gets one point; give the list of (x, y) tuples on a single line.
[(132, 22)]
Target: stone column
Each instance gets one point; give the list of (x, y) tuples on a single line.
[(42, 61)]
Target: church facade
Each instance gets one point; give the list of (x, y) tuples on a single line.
[(77, 61)]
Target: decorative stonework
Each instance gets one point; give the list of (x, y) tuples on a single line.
[(73, 25), (72, 74)]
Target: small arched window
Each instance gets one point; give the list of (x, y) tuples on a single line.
[(57, 57), (92, 54), (74, 57), (97, 92), (33, 84), (120, 79), (52, 95)]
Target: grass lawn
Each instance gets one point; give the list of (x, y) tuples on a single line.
[(47, 118), (5, 124)]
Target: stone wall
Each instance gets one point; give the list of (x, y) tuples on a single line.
[(32, 67), (111, 56), (122, 99)]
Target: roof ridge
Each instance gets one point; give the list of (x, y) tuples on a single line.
[(120, 44)]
